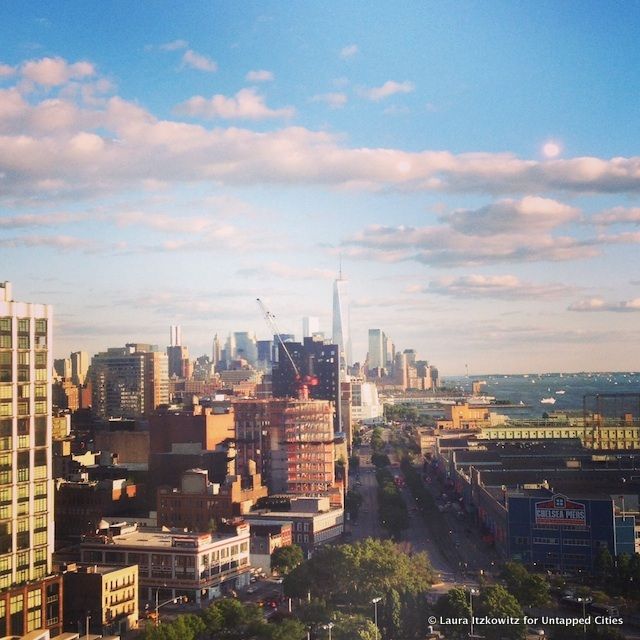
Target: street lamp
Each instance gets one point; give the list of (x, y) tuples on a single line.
[(472, 592), (329, 626), (584, 614), (375, 613)]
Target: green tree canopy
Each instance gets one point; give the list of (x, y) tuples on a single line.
[(285, 559)]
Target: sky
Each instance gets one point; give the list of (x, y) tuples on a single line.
[(473, 166)]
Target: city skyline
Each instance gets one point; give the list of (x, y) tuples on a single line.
[(473, 169)]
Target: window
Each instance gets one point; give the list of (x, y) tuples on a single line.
[(23, 325), (41, 325), (34, 619), (40, 538), (40, 427), (5, 564), (5, 341), (6, 392), (5, 324), (34, 599), (23, 342), (23, 358), (17, 603)]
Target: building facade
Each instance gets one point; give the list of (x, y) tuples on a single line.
[(200, 566), (105, 595), (26, 493), (129, 382)]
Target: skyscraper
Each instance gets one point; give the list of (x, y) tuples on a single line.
[(179, 363), (377, 350), (79, 366), (341, 333), (26, 496), (310, 325)]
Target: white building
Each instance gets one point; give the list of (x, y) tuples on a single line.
[(200, 566), (341, 331), (26, 495)]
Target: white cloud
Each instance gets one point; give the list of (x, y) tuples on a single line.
[(618, 215), (334, 100), (508, 216), (6, 70), (32, 220), (443, 246), (52, 72), (174, 45), (260, 75), (286, 272), (60, 242), (349, 51), (599, 304), (247, 104), (389, 88), (505, 287), (38, 146), (198, 61)]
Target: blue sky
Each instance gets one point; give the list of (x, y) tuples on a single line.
[(474, 164)]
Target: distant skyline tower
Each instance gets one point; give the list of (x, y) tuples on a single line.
[(377, 349), (310, 325), (341, 333), (175, 335)]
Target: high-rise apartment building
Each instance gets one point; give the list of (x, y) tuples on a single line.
[(341, 332), (29, 597), (129, 382)]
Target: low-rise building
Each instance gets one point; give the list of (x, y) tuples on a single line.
[(265, 539), (200, 566), (79, 506), (32, 606), (198, 502), (313, 521), (106, 595)]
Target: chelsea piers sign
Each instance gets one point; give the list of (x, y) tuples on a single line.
[(560, 511)]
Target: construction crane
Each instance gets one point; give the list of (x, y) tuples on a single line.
[(302, 382)]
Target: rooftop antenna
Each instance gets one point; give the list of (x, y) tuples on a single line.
[(339, 266)]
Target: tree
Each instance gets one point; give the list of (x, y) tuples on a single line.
[(353, 627), (496, 601), (285, 559), (529, 589), (454, 604), (288, 629), (352, 503), (380, 460), (603, 563)]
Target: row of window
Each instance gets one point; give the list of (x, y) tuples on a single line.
[(24, 325)]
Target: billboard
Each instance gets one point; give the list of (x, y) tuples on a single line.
[(559, 510)]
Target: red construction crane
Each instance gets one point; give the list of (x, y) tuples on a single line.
[(302, 382)]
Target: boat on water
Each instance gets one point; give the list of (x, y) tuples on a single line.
[(548, 401), (560, 392)]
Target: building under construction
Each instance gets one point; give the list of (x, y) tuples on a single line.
[(291, 441)]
